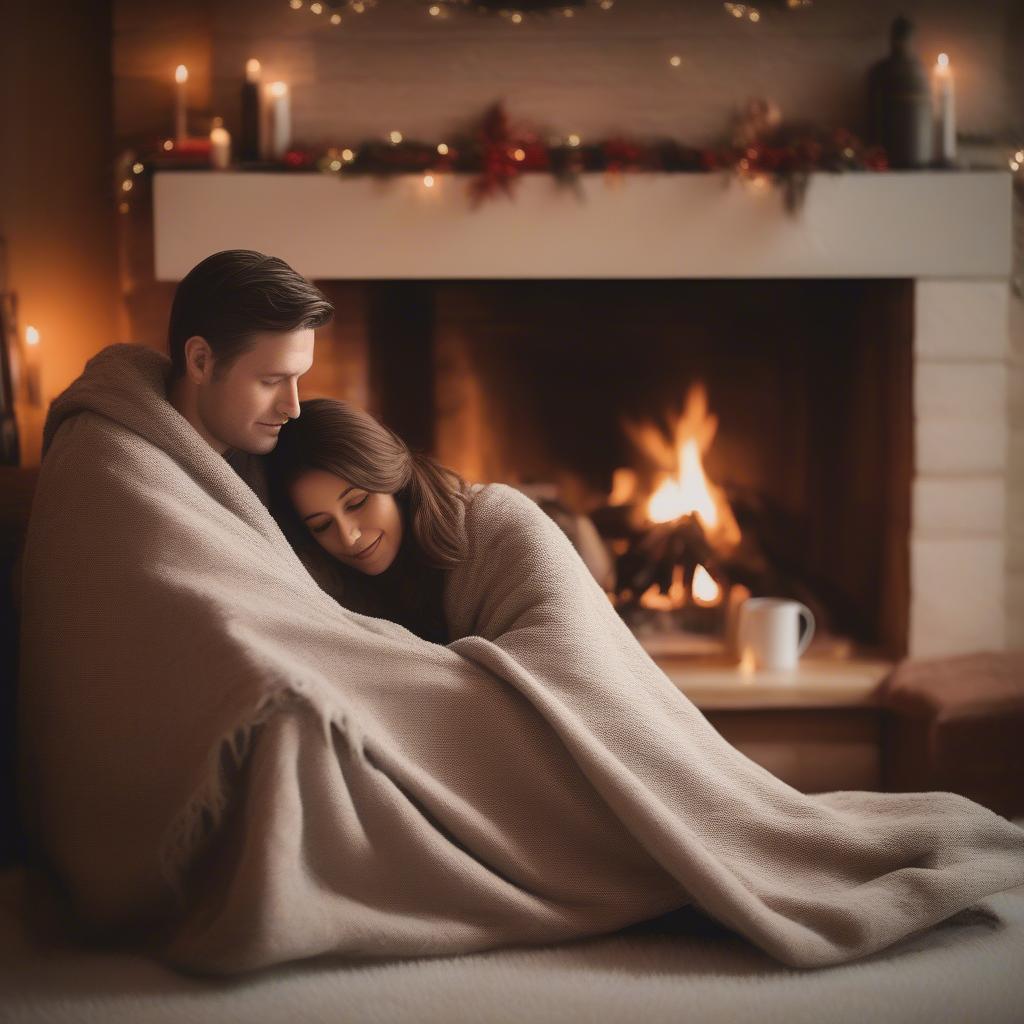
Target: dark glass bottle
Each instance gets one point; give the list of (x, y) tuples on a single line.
[(900, 103)]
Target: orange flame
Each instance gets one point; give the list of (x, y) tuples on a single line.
[(705, 590), (684, 488)]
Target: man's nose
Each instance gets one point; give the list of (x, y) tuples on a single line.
[(289, 403)]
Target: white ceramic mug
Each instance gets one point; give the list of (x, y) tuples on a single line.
[(769, 632)]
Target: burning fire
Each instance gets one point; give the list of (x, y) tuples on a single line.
[(684, 488)]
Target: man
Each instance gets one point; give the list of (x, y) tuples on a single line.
[(240, 336)]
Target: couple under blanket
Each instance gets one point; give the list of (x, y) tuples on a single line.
[(288, 689)]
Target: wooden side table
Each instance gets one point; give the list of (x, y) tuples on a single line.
[(818, 727)]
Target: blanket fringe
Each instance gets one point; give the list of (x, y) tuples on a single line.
[(202, 815)]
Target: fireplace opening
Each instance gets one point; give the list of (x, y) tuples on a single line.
[(788, 401)]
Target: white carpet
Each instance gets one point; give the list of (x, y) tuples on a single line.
[(970, 968)]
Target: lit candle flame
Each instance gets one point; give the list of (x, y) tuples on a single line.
[(181, 73), (31, 335), (278, 88)]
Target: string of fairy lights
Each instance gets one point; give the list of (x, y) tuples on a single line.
[(334, 12)]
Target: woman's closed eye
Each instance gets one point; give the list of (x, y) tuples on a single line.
[(320, 527)]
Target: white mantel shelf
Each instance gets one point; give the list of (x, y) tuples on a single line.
[(909, 224)]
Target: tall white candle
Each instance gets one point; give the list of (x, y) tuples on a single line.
[(180, 118), (279, 120), (220, 145), (945, 110)]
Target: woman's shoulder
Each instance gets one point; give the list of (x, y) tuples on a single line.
[(484, 498), (495, 509)]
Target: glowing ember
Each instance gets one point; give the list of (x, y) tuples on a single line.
[(653, 598)]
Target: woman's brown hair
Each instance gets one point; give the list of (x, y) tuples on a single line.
[(338, 437)]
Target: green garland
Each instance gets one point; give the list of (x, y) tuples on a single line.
[(497, 155)]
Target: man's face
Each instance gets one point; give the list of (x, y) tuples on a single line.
[(244, 406)]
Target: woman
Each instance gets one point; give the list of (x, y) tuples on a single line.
[(377, 524), (569, 787)]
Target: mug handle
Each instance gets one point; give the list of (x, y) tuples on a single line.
[(805, 613)]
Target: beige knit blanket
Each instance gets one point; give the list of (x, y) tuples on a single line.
[(221, 761)]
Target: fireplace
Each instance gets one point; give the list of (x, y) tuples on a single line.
[(854, 354), (572, 390)]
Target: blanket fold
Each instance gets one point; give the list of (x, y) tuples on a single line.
[(212, 745)]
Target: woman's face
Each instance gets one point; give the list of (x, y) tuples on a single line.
[(360, 528)]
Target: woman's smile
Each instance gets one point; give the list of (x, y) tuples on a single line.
[(369, 550)]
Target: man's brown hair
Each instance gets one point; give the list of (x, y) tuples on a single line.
[(233, 294)]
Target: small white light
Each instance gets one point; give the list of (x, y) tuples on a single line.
[(396, 138), (754, 15), (1014, 165), (574, 140), (428, 180), (168, 145), (442, 148), (335, 19), (434, 11), (516, 18), (1019, 156), (347, 155), (126, 185), (181, 73), (675, 60), (295, 4), (335, 165), (358, 7), (519, 154), (137, 167), (31, 335), (943, 60)]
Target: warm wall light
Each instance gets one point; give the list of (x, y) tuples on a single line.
[(33, 371)]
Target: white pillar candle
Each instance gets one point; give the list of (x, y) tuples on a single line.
[(279, 120), (220, 145), (180, 118), (945, 110)]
